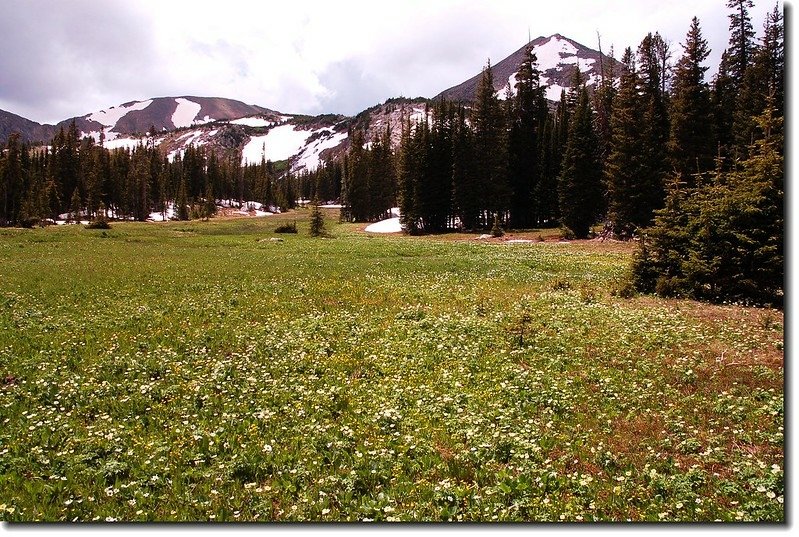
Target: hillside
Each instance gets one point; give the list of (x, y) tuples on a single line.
[(256, 132), (557, 57)]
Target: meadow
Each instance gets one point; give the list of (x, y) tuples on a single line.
[(199, 371)]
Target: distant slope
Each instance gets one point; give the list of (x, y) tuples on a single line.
[(165, 113), (557, 57), (28, 130)]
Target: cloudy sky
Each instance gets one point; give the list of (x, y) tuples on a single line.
[(64, 59)]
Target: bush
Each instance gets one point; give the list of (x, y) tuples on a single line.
[(287, 228), (98, 224), (496, 230)]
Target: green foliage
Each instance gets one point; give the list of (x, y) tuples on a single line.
[(100, 220), (371, 378), (579, 190), (317, 227), (288, 227), (723, 239), (496, 229)]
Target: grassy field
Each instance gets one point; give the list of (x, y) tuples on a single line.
[(201, 371)]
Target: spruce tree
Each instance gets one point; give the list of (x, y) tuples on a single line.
[(75, 206), (724, 238), (181, 211), (465, 188), (527, 109), (580, 186), (722, 105), (317, 219), (691, 141), (490, 148), (625, 166), (742, 39), (407, 173)]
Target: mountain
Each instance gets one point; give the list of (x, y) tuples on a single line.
[(252, 132), (557, 58), (28, 130), (165, 114)]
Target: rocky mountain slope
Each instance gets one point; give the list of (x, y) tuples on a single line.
[(557, 57), (254, 132)]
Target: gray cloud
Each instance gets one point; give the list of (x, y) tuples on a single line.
[(60, 56), (61, 59)]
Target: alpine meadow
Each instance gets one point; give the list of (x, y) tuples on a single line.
[(552, 293)]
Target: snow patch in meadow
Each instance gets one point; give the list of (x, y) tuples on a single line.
[(391, 225), (160, 216), (185, 112), (112, 115)]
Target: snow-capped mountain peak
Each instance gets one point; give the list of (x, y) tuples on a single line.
[(556, 55)]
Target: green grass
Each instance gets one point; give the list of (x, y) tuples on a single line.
[(199, 371)]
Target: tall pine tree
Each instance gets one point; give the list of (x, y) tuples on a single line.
[(580, 185), (691, 141)]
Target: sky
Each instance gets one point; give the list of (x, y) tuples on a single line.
[(65, 59)]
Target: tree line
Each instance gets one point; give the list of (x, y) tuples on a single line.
[(82, 179), (691, 167)]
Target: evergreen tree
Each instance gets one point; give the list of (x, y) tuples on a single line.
[(75, 206), (317, 219), (407, 174), (466, 192), (723, 239), (763, 76), (11, 179), (434, 185), (580, 186), (691, 141), (742, 39), (490, 148), (182, 203), (722, 106), (628, 208), (527, 109), (355, 190)]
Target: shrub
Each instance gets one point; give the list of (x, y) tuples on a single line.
[(287, 228)]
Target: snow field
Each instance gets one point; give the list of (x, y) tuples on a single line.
[(185, 112), (252, 121), (279, 143), (110, 116), (390, 225)]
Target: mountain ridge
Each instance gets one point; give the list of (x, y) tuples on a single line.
[(554, 53), (256, 132)]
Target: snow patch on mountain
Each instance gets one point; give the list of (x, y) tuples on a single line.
[(279, 143), (551, 53), (252, 122), (554, 91), (129, 143), (185, 112), (111, 116), (310, 157)]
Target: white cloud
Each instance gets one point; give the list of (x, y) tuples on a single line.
[(303, 56)]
